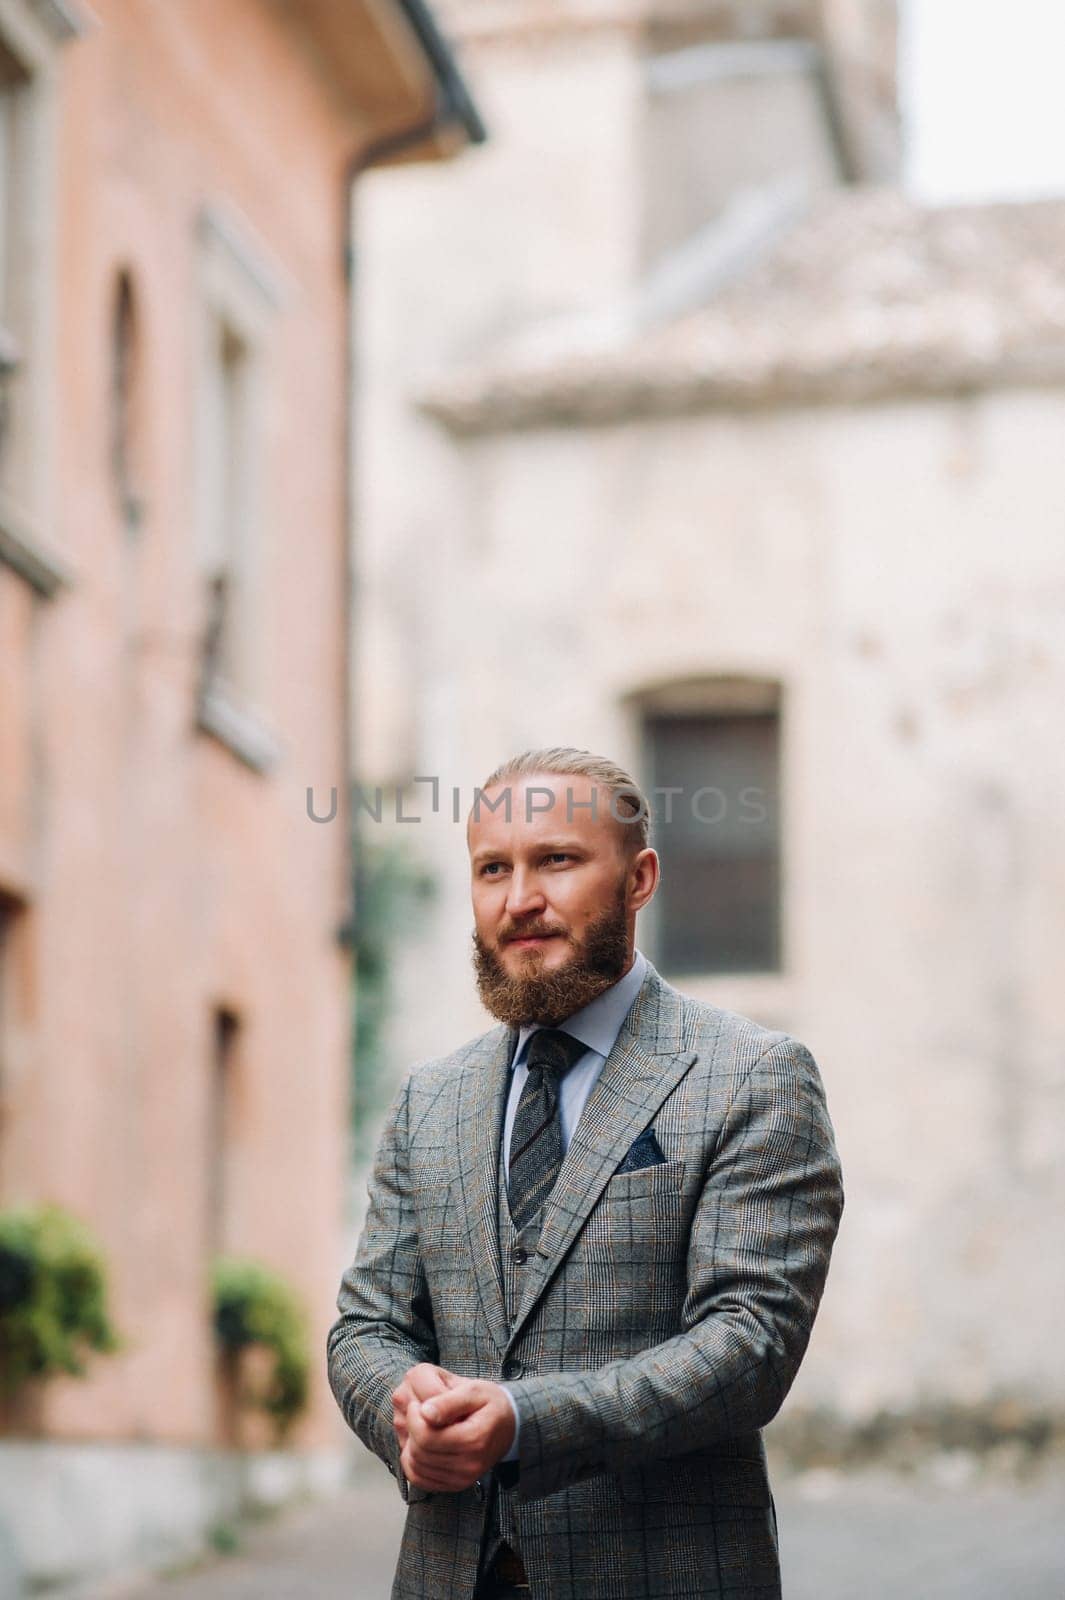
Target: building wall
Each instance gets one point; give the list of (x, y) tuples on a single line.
[(897, 570), (538, 223), (162, 876), (696, 163), (543, 237)]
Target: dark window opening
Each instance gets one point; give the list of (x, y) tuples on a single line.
[(220, 1138), (11, 912), (718, 905), (126, 404)]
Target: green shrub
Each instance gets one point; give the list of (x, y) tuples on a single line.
[(53, 1296), (253, 1306), (392, 891)]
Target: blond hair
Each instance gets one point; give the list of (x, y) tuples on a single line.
[(628, 805)]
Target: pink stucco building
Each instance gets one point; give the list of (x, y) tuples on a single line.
[(174, 595)]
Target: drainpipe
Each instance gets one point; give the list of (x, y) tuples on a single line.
[(452, 107)]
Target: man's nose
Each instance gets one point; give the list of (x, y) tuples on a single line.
[(525, 894)]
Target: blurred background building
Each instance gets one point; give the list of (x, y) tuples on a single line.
[(175, 964), (689, 436)]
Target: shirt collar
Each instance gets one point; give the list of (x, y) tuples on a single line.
[(597, 1024)]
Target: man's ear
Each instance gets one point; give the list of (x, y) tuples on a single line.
[(643, 877)]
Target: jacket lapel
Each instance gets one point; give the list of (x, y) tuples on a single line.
[(482, 1099)]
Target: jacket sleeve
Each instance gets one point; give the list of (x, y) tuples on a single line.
[(760, 1242), (385, 1325)]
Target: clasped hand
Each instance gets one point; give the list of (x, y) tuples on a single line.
[(450, 1429)]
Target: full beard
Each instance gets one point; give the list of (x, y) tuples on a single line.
[(548, 998)]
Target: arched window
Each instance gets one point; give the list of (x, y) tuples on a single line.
[(126, 403)]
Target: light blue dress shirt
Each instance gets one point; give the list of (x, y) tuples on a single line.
[(596, 1026)]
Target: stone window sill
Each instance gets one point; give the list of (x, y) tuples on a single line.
[(240, 729), (24, 552)]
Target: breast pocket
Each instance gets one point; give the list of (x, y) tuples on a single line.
[(664, 1179), (633, 1251)]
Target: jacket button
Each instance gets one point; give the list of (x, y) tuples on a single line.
[(512, 1368), (519, 1254)]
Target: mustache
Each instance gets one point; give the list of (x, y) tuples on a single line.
[(507, 935)]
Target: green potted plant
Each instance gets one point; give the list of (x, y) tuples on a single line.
[(263, 1345), (53, 1304)]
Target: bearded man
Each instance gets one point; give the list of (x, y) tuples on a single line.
[(596, 1241)]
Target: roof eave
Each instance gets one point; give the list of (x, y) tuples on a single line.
[(392, 72)]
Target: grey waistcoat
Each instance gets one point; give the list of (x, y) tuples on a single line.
[(500, 1522)]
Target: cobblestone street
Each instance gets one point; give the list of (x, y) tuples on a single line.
[(877, 1539)]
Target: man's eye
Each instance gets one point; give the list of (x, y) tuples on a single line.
[(488, 870), (560, 855)]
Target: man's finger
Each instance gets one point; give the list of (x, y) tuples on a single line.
[(423, 1477), (425, 1380), (433, 1475), (441, 1439), (420, 1430), (458, 1438), (463, 1433), (457, 1402)]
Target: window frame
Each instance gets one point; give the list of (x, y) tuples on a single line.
[(32, 33), (716, 698), (240, 296)]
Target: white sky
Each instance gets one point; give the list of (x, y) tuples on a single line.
[(983, 98)]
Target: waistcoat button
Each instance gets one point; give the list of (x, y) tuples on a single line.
[(519, 1254)]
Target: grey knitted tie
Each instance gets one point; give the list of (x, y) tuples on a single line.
[(536, 1137)]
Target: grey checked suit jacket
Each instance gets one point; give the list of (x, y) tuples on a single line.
[(665, 1312)]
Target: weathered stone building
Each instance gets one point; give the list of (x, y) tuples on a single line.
[(174, 592), (739, 466)]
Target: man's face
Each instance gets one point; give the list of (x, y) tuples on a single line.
[(555, 894)]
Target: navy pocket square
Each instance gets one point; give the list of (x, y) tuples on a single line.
[(642, 1152)]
